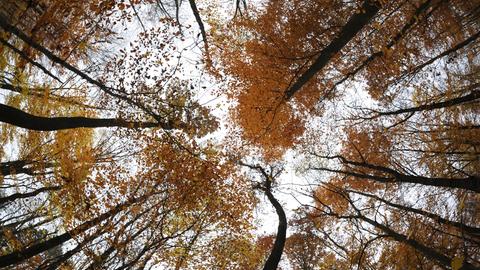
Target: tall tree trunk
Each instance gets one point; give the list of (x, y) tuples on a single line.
[(22, 119), (406, 28), (27, 194), (348, 31), (279, 244), (430, 253), (472, 96), (13, 167), (469, 183), (458, 225), (19, 256)]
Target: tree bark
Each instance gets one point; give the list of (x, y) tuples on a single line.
[(403, 32), (474, 95), (19, 256), (22, 119), (348, 31), (279, 244), (14, 167), (27, 194), (458, 225), (196, 13), (28, 59), (457, 47), (427, 251), (469, 183)]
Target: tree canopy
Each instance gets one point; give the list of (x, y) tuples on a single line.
[(151, 134)]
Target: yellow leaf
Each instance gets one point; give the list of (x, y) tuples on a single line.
[(457, 262), (461, 205)]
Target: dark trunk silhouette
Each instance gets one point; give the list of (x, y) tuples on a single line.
[(458, 225), (427, 251), (279, 244), (27, 194), (28, 59), (14, 167), (348, 31), (100, 260), (22, 119), (457, 47), (196, 13), (406, 28), (19, 256), (469, 183), (472, 96), (266, 186), (55, 263)]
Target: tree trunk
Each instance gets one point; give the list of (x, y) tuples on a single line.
[(458, 225), (22, 119), (349, 30), (428, 252), (469, 183), (279, 244), (27, 194), (14, 167), (19, 256), (474, 95)]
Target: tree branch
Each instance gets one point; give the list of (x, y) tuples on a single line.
[(196, 13), (348, 32)]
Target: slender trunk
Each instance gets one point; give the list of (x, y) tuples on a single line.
[(100, 260), (14, 167), (474, 95), (27, 194), (458, 225), (459, 46), (28, 59), (18, 256), (196, 13), (349, 30), (52, 265), (427, 251), (469, 183), (19, 166), (41, 94), (22, 119), (279, 244), (406, 28)]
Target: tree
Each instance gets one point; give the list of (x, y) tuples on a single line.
[(167, 200), (413, 238), (266, 186)]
